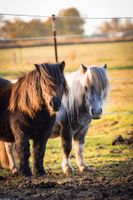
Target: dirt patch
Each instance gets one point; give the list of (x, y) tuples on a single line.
[(120, 140), (109, 182)]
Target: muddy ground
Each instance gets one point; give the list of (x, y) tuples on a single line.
[(113, 181)]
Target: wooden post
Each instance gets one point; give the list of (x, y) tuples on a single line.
[(55, 40)]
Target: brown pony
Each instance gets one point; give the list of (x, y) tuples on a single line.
[(28, 111)]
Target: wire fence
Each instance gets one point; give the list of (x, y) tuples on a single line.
[(71, 17)]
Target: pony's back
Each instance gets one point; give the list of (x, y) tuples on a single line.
[(4, 85)]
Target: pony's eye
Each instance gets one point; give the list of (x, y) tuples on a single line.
[(86, 88), (92, 89)]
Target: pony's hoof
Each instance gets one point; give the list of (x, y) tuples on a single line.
[(14, 171), (86, 168), (67, 170), (83, 168), (26, 173), (39, 173)]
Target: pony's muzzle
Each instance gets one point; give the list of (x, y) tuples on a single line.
[(96, 113), (55, 103)]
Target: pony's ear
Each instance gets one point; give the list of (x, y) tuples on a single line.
[(62, 65), (37, 67), (105, 66), (83, 68)]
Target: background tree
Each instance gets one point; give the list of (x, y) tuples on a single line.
[(19, 28), (116, 25), (128, 25), (70, 25), (2, 23), (38, 28)]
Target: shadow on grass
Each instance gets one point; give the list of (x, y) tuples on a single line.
[(9, 74)]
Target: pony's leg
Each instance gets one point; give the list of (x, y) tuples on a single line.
[(23, 151), (39, 147), (79, 140), (10, 150), (66, 138), (79, 150)]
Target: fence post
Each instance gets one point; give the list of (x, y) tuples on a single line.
[(55, 40)]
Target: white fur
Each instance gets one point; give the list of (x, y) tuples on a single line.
[(10, 150)]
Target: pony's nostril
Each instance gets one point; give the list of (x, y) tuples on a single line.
[(93, 112), (55, 103), (96, 112)]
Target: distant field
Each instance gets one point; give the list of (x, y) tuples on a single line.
[(116, 55)]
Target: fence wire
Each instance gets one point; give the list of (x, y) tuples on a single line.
[(63, 17), (71, 17)]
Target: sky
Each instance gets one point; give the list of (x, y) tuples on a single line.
[(87, 8)]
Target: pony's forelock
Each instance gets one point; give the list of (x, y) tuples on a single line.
[(98, 78)]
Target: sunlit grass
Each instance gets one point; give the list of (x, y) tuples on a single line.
[(115, 55), (98, 151)]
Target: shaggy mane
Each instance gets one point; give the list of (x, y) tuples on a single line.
[(98, 78), (30, 91)]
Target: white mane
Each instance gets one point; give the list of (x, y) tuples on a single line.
[(75, 84)]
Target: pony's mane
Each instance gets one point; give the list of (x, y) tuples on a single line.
[(98, 78), (77, 81), (31, 90)]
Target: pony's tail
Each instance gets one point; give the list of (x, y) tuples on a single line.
[(4, 162)]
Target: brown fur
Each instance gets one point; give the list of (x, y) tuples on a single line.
[(29, 100), (4, 162)]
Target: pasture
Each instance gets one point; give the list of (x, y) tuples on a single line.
[(113, 176)]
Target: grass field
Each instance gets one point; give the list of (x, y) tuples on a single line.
[(114, 178), (119, 58), (116, 55)]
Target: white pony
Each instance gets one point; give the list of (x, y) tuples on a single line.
[(88, 90)]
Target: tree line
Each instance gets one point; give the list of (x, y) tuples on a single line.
[(116, 25), (40, 28)]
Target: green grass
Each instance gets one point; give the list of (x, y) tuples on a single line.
[(121, 68), (94, 156), (9, 74)]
